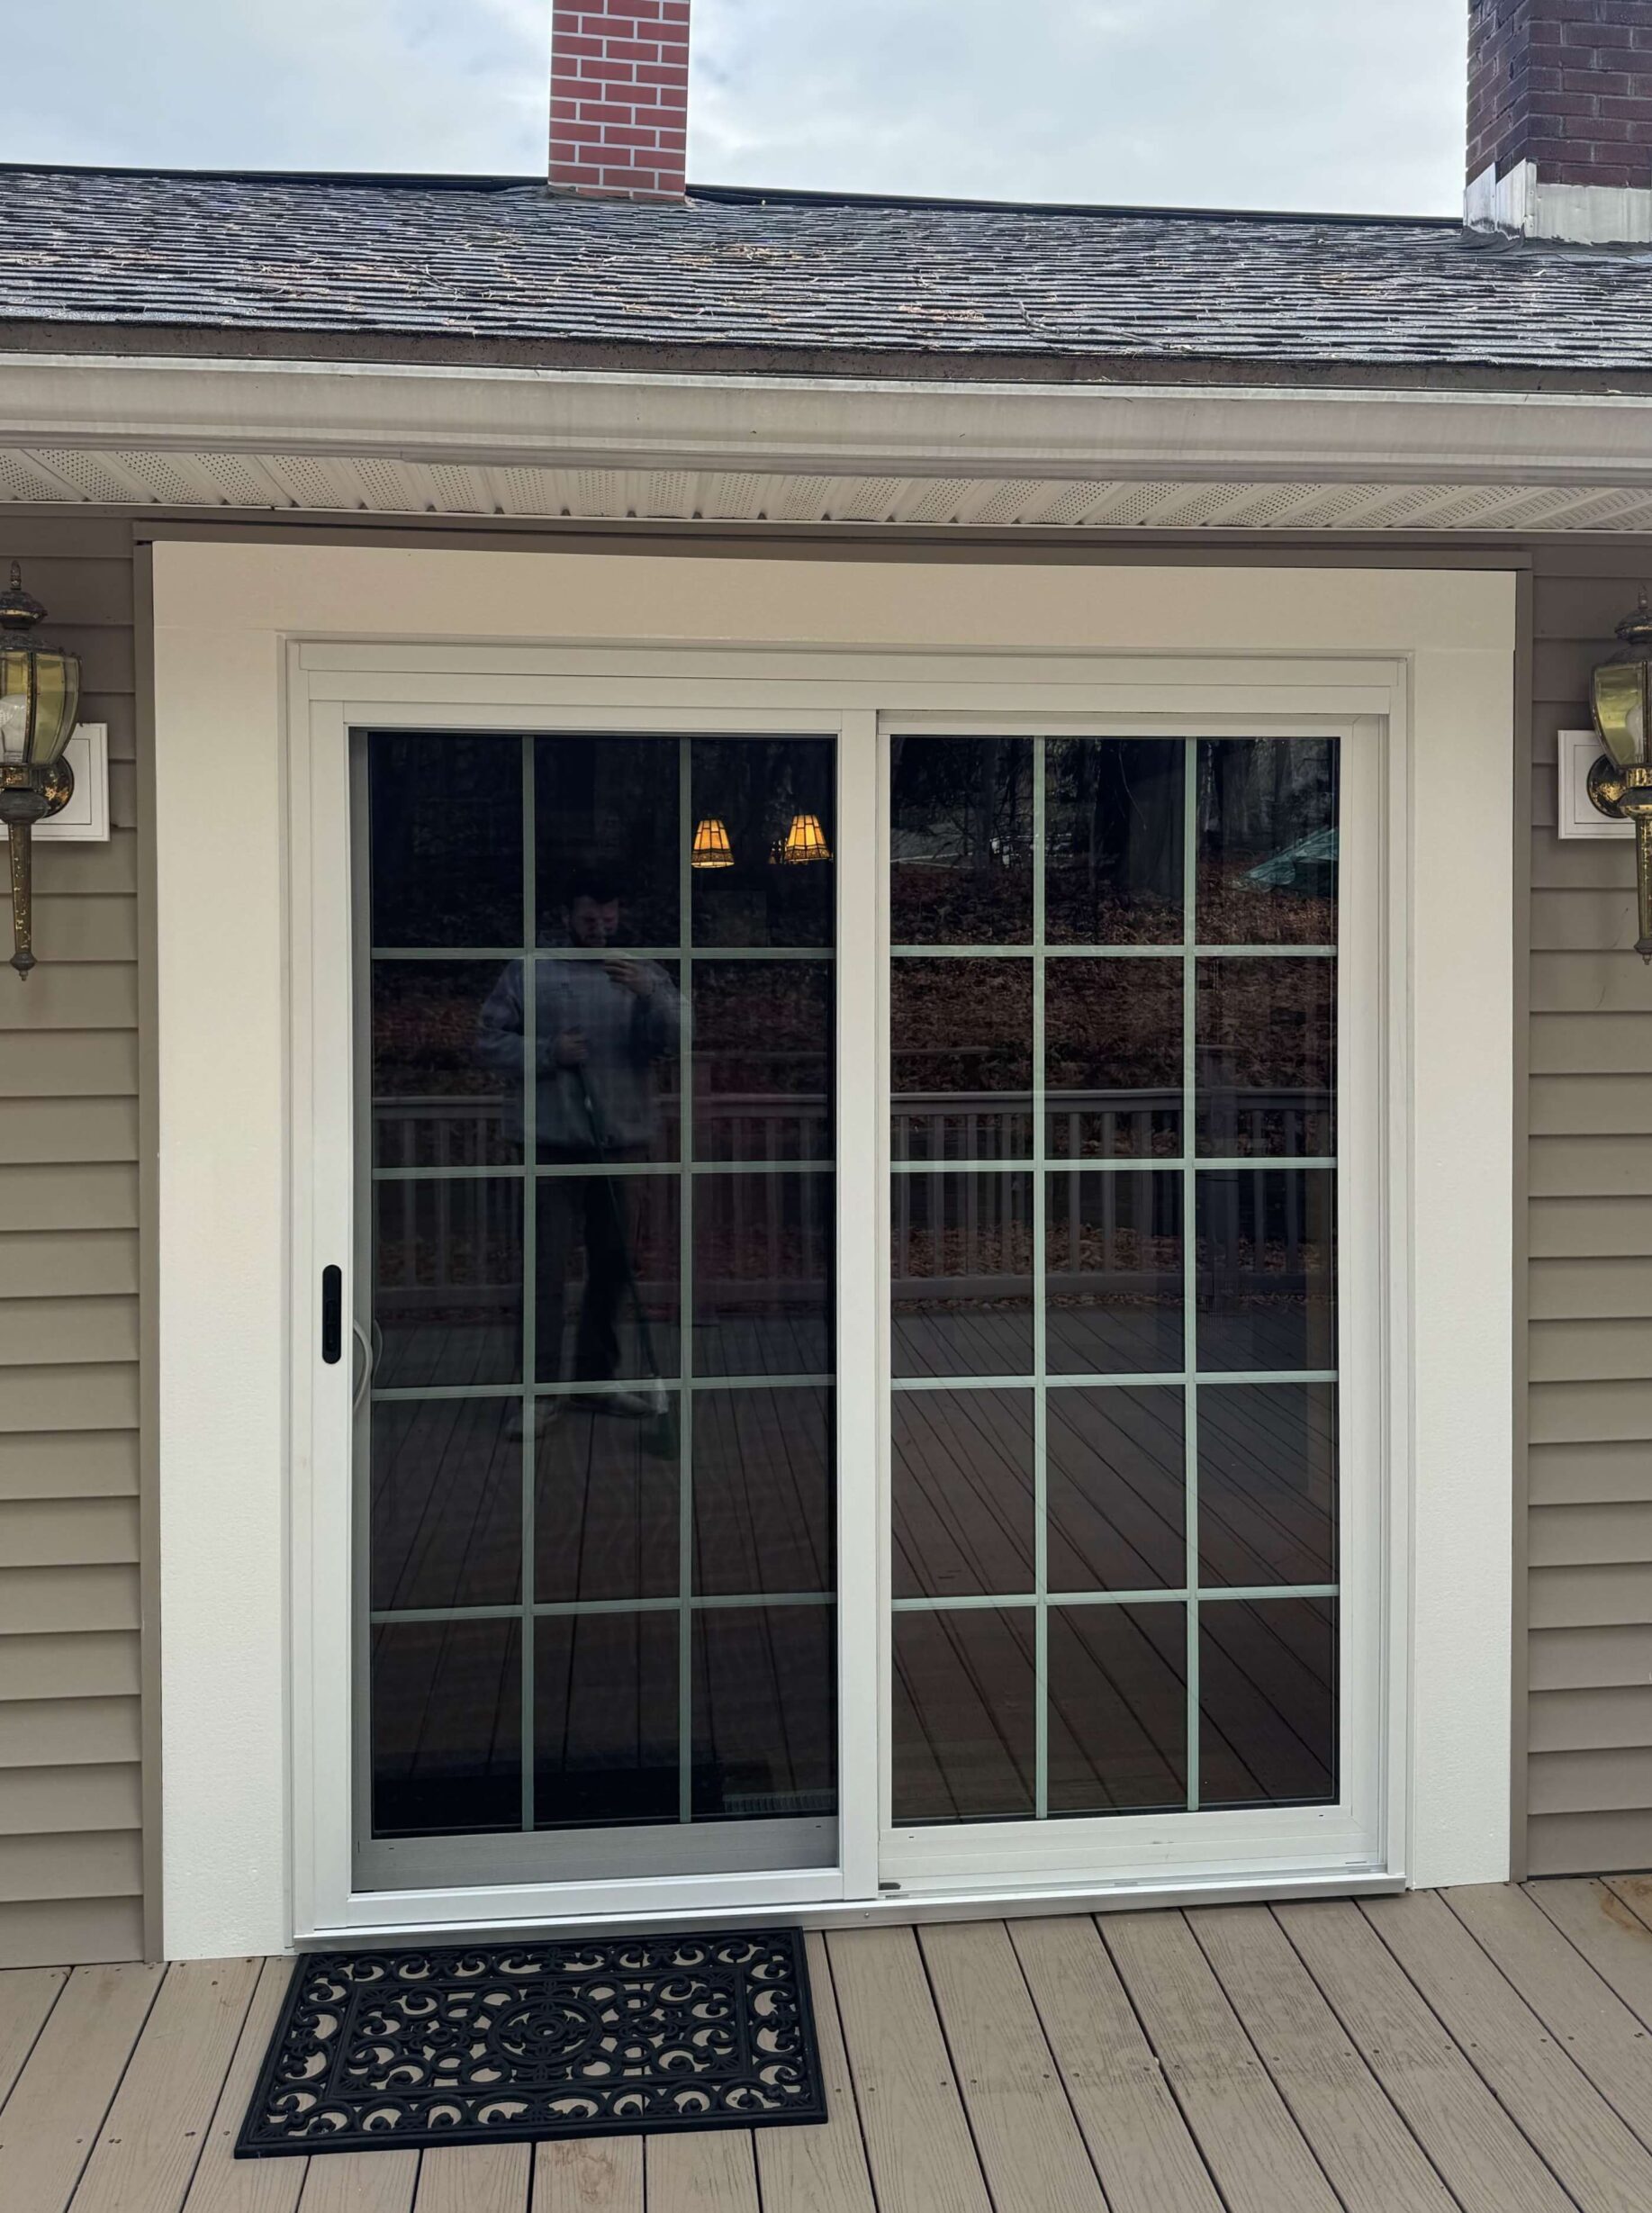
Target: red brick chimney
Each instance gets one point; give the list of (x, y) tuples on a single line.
[(1560, 119), (619, 98)]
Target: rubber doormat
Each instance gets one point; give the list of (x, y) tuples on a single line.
[(576, 2038)]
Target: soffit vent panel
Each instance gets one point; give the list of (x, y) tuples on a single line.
[(377, 484)]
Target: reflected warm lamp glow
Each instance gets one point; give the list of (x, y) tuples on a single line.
[(806, 840), (712, 848)]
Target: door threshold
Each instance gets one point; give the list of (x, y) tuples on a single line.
[(895, 1908)]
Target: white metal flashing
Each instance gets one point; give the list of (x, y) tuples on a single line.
[(1519, 201)]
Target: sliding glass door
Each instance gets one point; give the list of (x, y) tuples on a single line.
[(595, 1461), (1113, 1477)]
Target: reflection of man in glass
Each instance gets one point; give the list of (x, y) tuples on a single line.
[(602, 1025)]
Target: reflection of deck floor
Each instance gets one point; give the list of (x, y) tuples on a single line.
[(448, 1517), (1481, 2049)]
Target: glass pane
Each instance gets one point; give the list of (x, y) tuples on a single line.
[(762, 1491), (606, 816), (765, 1711), (961, 1263), (446, 1518), (762, 1274), (1115, 1483), (763, 1059), (446, 1728), (960, 857), (964, 1701), (1268, 841), (1268, 1701), (765, 836), (608, 1041), (962, 1492), (607, 1300), (1267, 1260), (961, 1059), (1119, 1709), (605, 1500), (444, 1094), (1266, 1057), (1113, 832), (447, 1281), (605, 1718), (1113, 1058), (1114, 1291), (447, 839), (1267, 1483)]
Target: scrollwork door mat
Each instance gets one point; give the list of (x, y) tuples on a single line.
[(581, 2037)]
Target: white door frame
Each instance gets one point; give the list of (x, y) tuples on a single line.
[(1427, 656)]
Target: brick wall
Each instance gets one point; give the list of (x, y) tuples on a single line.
[(619, 97), (1564, 84)]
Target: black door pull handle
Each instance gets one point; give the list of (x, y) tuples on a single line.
[(332, 1314)]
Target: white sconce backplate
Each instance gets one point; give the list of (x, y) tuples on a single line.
[(85, 818), (1575, 813)]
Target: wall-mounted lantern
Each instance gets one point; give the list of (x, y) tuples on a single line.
[(39, 695), (1620, 782)]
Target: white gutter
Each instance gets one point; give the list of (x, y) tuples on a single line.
[(840, 426)]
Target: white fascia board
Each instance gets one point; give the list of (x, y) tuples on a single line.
[(497, 417)]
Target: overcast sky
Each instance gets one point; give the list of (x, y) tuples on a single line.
[(1352, 105)]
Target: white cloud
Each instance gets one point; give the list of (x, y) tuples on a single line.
[(1267, 102)]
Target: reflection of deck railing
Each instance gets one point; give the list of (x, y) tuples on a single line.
[(756, 1234)]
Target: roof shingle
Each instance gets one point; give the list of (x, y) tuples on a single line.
[(491, 262)]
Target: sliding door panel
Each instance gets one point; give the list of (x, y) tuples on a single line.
[(1114, 1467)]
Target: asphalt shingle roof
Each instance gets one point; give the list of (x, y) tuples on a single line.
[(507, 261)]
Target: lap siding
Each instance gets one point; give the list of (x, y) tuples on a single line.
[(70, 1828)]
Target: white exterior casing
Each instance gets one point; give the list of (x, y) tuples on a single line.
[(1428, 654)]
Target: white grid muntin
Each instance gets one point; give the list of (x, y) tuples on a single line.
[(685, 1386), (1038, 1166)]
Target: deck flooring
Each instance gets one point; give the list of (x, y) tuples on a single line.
[(1487, 2049)]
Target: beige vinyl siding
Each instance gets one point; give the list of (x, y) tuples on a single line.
[(71, 1877), (1589, 1532)]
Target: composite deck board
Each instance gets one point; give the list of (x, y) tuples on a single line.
[(67, 2083), (589, 2174), (1370, 2157), (1593, 2152), (360, 2182), (27, 1995), (713, 2170), (151, 2140), (918, 2145), (1481, 2052), (1574, 2003), (223, 2183), (820, 2170), (1259, 2158), (1143, 2150), (485, 2178), (1026, 2137), (1606, 1931), (1477, 2148)]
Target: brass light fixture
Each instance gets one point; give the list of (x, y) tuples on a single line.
[(40, 693), (1620, 782)]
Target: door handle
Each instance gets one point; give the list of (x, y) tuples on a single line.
[(370, 1348), (332, 1315)]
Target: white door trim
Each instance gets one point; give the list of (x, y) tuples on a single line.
[(1430, 651)]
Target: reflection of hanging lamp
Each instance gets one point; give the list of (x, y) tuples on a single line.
[(712, 848), (805, 841)]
